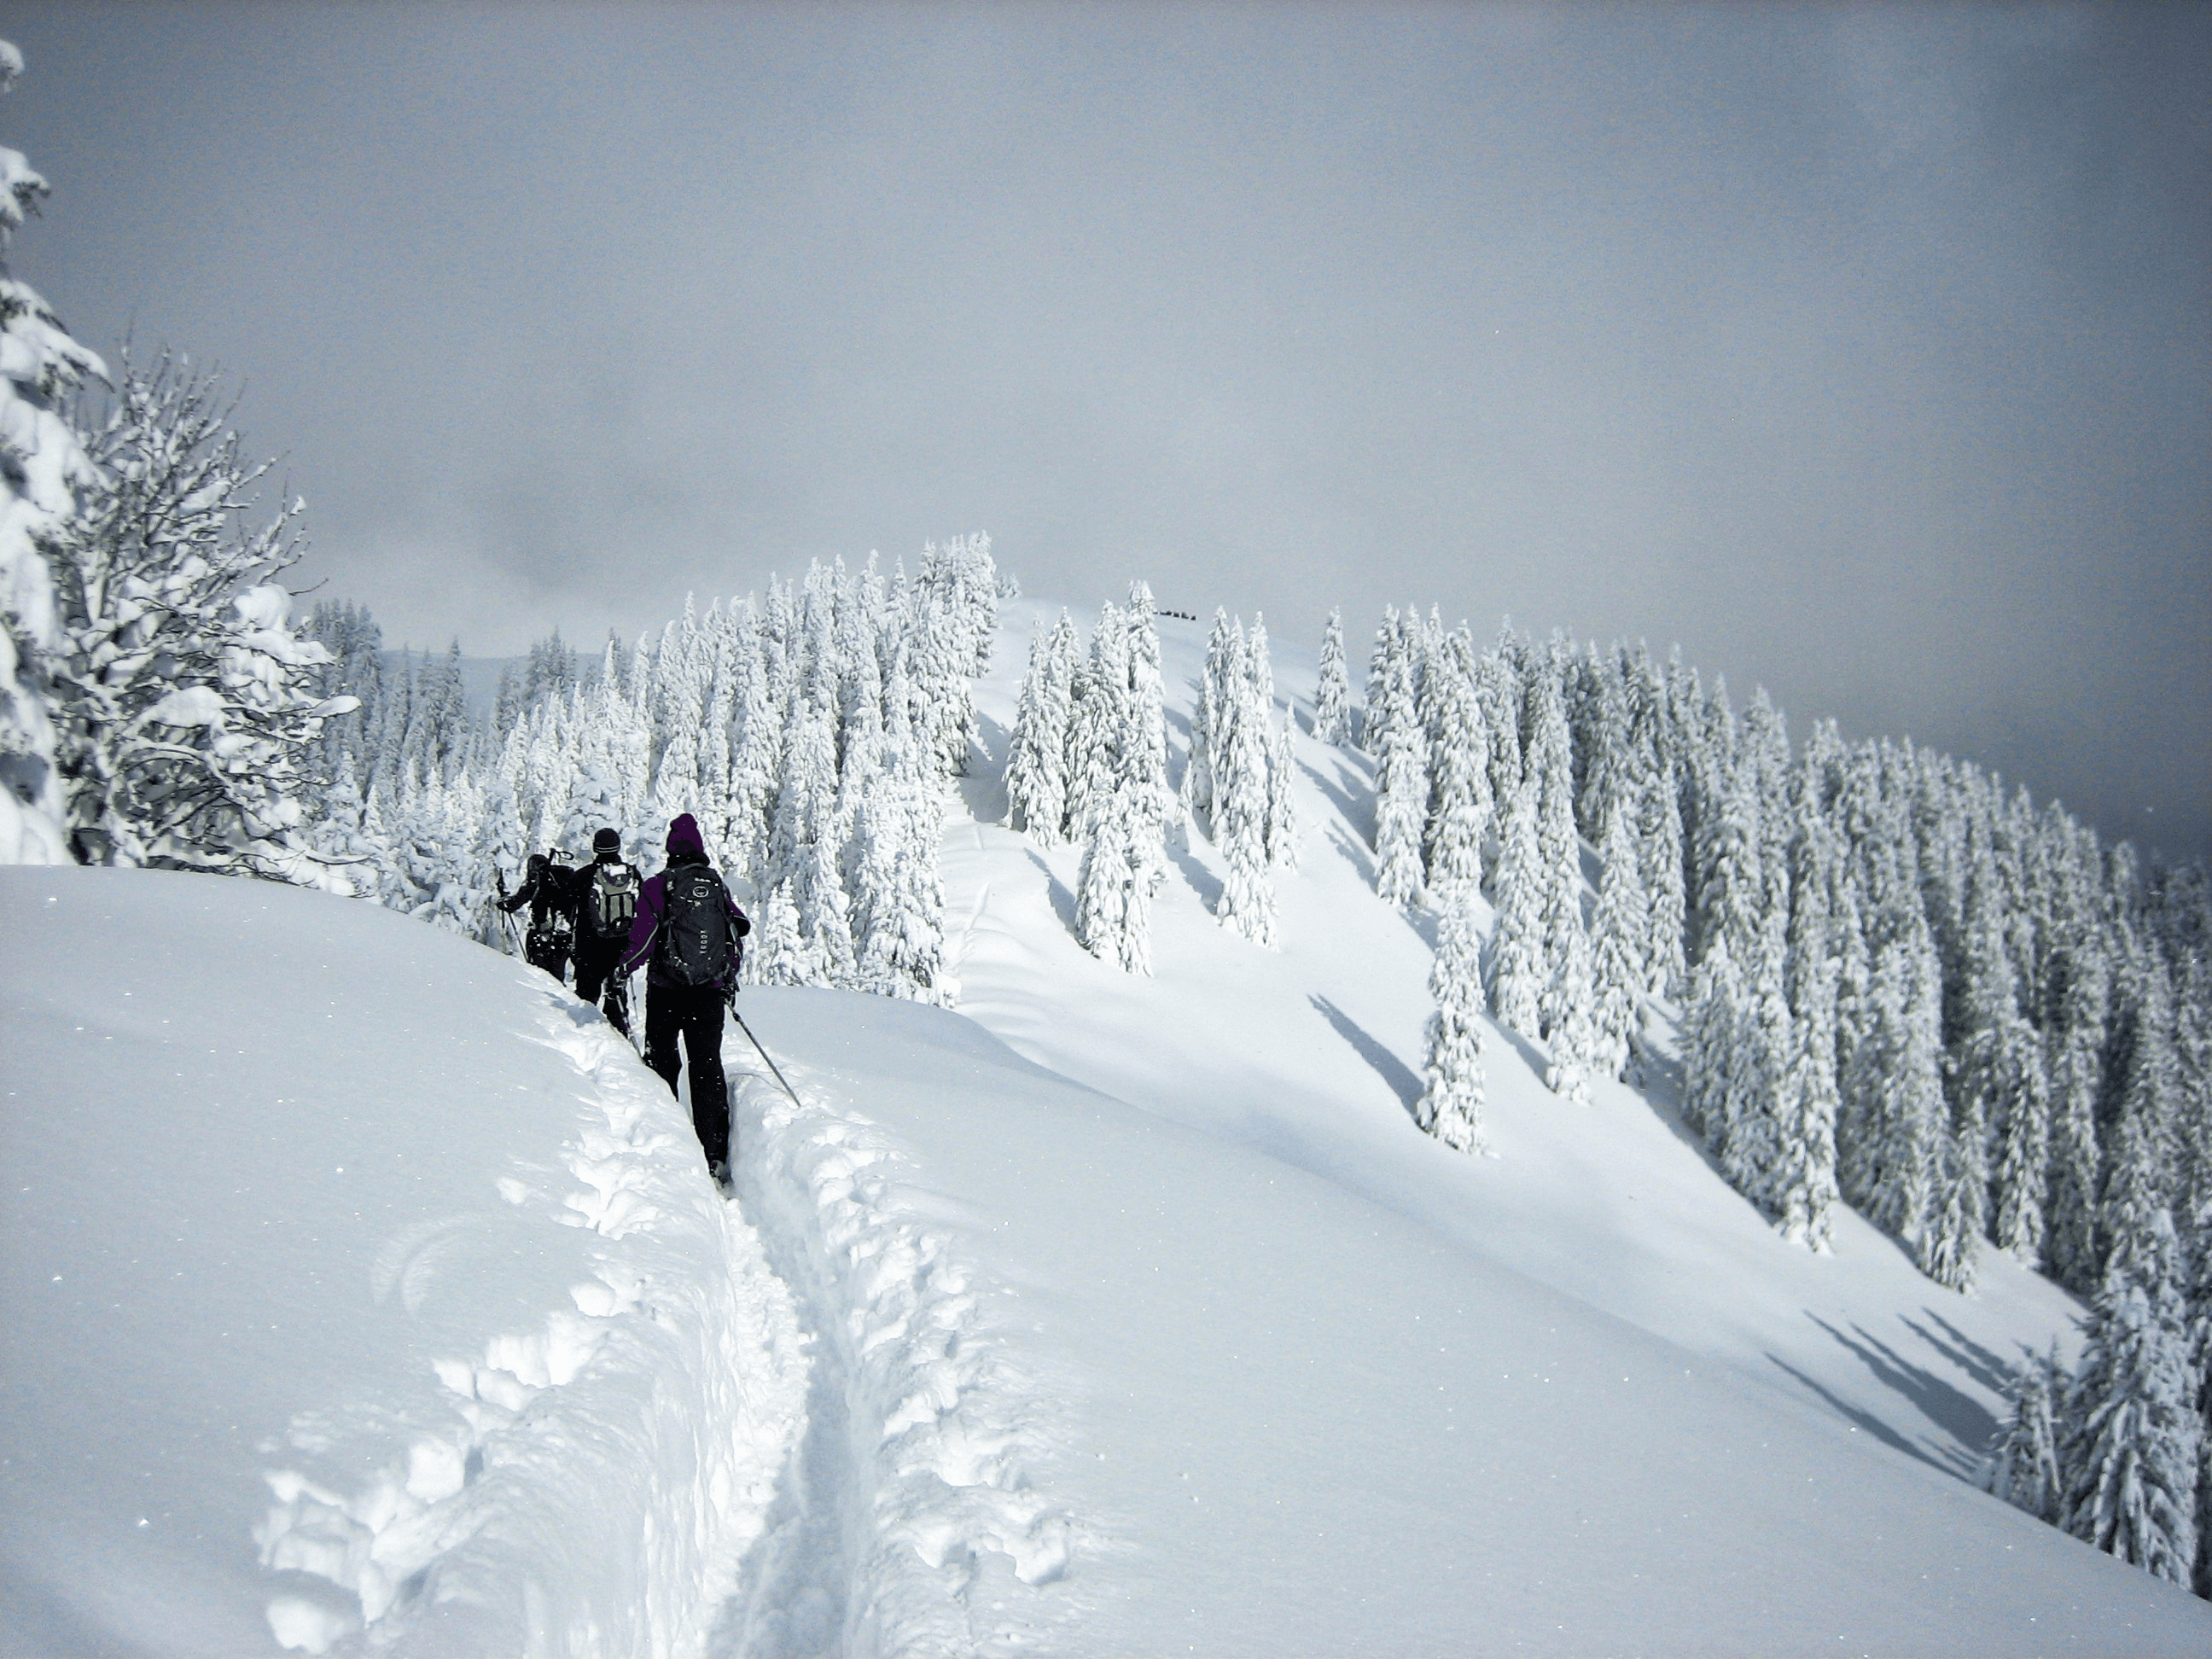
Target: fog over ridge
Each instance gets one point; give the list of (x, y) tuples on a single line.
[(1863, 351)]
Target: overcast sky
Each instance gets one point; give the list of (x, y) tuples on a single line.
[(1863, 352)]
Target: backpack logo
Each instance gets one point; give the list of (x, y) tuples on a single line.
[(613, 900), (696, 945)]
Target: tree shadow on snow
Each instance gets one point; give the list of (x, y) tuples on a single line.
[(1394, 1072), (1354, 853), (1203, 881), (1063, 902), (1337, 791), (1867, 1421), (1958, 1413), (1985, 1367), (983, 787)]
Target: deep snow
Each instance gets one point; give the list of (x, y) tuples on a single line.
[(378, 1281)]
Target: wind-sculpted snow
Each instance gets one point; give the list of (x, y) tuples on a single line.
[(364, 1292), (914, 1523)]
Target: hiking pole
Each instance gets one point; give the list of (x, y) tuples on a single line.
[(730, 1002)]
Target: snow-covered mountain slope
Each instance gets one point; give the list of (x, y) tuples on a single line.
[(1312, 1054), (352, 1271), (1107, 1315)]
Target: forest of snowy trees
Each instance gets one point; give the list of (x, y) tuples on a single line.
[(1895, 985), (812, 734), (1899, 986)]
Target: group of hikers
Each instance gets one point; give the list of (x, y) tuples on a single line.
[(681, 926)]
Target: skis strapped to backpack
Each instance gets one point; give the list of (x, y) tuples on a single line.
[(698, 943), (612, 902)]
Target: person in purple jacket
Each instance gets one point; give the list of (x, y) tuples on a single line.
[(685, 936)]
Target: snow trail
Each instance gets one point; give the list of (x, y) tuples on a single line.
[(909, 1521), (645, 1425)]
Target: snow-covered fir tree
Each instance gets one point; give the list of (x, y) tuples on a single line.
[(1144, 747), (2133, 1436), (43, 471), (1571, 1031), (1458, 769), (1518, 972), (1036, 758), (1221, 651), (1394, 737), (1113, 895), (1098, 721), (192, 717), (1333, 692), (1451, 1104), (1804, 1187), (1282, 826), (1659, 868), (1240, 807), (1617, 974), (2022, 1465)]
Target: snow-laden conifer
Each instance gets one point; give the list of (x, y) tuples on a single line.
[(776, 955), (1113, 897), (1617, 974), (1602, 761), (193, 716), (1333, 692), (1382, 659), (1282, 826), (1731, 893), (1459, 771), (1223, 648), (1804, 1189), (1756, 1104), (500, 849), (1709, 1047), (1518, 966), (1572, 1031), (1248, 891), (1498, 688), (2022, 1464), (1659, 867), (1098, 720), (1401, 796), (902, 949), (1950, 1237), (1903, 1065), (1999, 1080), (1804, 1185), (349, 838), (1450, 1106), (43, 467), (2133, 1436), (1144, 745), (1037, 776)]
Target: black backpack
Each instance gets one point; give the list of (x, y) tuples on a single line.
[(698, 943), (610, 900)]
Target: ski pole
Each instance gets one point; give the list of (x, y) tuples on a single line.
[(730, 1002)]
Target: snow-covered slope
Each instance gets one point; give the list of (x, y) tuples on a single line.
[(1107, 1315), (1312, 1054), (354, 1271)]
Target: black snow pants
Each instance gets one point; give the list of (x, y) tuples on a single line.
[(549, 952), (596, 962), (695, 1013)]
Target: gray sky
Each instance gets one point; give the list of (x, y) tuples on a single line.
[(1867, 353)]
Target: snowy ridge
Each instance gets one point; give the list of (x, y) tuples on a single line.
[(912, 1523), (591, 1483)]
